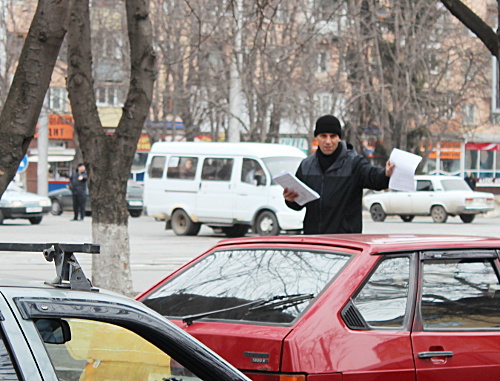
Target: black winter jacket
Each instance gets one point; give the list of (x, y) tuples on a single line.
[(339, 209), (78, 186)]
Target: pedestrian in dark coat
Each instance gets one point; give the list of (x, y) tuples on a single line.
[(78, 186), (339, 175), (471, 181)]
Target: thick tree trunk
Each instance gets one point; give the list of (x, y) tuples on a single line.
[(31, 81), (109, 157)]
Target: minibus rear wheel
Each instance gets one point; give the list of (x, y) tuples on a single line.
[(182, 224)]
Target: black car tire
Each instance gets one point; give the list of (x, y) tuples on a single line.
[(182, 224), (56, 208), (266, 224), (35, 220), (407, 217), (467, 218), (135, 213), (238, 230), (1, 217), (377, 213), (439, 214)]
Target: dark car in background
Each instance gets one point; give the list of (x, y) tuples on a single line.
[(67, 329), (18, 203), (344, 307), (62, 200)]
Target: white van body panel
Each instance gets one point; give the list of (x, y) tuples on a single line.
[(218, 203)]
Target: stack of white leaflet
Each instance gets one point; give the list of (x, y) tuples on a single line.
[(288, 180)]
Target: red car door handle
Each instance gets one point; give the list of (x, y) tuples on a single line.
[(428, 355)]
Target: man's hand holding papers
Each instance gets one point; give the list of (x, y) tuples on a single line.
[(291, 183), (403, 174)]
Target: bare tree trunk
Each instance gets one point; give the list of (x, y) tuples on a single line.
[(31, 81), (109, 157)]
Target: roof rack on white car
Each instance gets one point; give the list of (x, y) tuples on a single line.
[(68, 270)]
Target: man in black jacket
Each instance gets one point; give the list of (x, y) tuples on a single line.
[(339, 175), (78, 186)]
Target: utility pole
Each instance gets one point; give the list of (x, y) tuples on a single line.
[(43, 150), (235, 79)]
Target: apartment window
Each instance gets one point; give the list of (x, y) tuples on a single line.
[(109, 96), (325, 9), (324, 103), (433, 64), (322, 61), (469, 115), (58, 99), (111, 47)]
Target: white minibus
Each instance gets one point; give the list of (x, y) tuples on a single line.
[(226, 186)]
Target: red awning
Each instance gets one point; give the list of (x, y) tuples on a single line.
[(482, 146)]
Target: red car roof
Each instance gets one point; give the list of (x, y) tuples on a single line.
[(372, 243)]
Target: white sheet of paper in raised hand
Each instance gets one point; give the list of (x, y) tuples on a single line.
[(403, 174), (290, 181)]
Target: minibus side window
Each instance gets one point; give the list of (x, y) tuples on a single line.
[(182, 167), (156, 167), (217, 169)]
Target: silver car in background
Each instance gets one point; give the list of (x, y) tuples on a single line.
[(18, 203), (435, 196)]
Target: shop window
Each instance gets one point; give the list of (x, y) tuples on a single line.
[(59, 170), (486, 161)]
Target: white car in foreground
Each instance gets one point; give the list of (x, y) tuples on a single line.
[(435, 196)]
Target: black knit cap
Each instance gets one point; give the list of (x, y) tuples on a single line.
[(328, 124)]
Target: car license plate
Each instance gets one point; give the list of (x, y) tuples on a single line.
[(135, 203), (34, 209)]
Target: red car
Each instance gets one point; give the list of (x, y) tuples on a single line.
[(344, 307)]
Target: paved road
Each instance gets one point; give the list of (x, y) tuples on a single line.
[(155, 252)]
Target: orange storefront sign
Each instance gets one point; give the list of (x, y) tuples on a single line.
[(60, 127), (447, 150), (144, 144)]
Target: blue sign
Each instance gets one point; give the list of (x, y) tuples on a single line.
[(23, 164)]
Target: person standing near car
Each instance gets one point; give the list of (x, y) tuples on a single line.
[(339, 175), (470, 180), (78, 187)]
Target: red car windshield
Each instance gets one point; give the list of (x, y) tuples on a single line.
[(262, 285)]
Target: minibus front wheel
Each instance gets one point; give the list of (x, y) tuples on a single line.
[(266, 223)]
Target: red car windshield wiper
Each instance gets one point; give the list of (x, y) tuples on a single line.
[(281, 301)]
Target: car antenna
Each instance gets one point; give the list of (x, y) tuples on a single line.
[(69, 273)]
